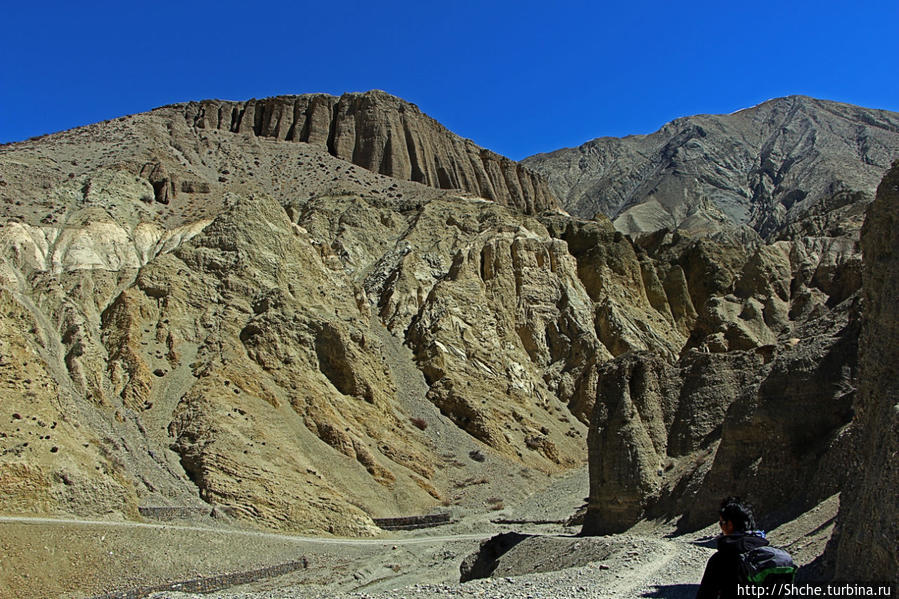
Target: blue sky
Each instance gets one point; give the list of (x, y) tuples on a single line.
[(516, 77)]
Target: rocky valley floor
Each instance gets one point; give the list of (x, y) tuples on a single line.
[(79, 559)]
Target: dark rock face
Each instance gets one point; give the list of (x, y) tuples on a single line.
[(758, 403), (788, 167), (868, 523), (785, 441), (667, 440), (385, 135)]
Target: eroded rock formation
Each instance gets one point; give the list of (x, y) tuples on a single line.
[(211, 304), (758, 403), (385, 135), (868, 523), (200, 317)]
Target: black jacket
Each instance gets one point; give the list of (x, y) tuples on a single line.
[(723, 569)]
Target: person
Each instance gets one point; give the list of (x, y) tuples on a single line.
[(722, 572)]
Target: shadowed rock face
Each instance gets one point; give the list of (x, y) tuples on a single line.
[(784, 423), (868, 523), (385, 135), (757, 404), (673, 439), (788, 167)]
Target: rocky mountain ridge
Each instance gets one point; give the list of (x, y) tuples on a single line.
[(206, 317), (195, 315), (385, 135), (789, 166)]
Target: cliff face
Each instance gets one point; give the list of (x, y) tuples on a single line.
[(757, 406), (788, 167), (868, 522), (385, 135)]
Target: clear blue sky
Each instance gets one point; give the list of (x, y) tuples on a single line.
[(516, 77)]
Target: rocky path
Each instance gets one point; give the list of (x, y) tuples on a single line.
[(423, 565), (651, 568), (85, 558), (250, 533)]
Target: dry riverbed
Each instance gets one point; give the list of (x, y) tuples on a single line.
[(72, 559)]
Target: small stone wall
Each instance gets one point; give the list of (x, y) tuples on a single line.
[(173, 512), (412, 522), (212, 583), (525, 521)]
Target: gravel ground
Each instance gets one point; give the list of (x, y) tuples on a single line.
[(557, 501), (41, 558), (643, 568)]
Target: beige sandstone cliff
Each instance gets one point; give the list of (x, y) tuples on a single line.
[(233, 307)]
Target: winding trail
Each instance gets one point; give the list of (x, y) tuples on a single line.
[(642, 567)]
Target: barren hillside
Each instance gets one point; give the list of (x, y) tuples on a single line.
[(303, 314), (788, 167)]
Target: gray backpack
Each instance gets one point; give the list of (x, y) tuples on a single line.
[(766, 566)]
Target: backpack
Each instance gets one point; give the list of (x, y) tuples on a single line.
[(766, 565)]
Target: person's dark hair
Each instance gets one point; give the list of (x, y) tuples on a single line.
[(737, 511)]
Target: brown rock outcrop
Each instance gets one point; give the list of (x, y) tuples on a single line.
[(385, 135), (217, 310), (503, 340), (768, 424), (761, 391), (867, 542), (239, 342), (632, 308)]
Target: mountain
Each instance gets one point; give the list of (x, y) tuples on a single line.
[(305, 313), (214, 318), (787, 167)]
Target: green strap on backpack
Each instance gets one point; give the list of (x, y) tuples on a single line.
[(759, 565)]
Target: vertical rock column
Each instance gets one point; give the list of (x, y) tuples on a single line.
[(386, 135)]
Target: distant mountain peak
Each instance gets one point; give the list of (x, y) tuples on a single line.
[(784, 163)]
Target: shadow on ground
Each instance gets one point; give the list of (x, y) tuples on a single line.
[(482, 563)]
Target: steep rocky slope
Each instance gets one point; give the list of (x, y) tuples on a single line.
[(759, 404), (202, 309), (201, 317), (866, 545), (787, 167), (775, 397), (384, 134)]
